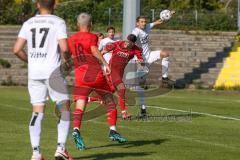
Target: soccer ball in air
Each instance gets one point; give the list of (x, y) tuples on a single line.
[(165, 15)]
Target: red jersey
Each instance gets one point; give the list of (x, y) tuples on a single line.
[(88, 73), (120, 58), (87, 67)]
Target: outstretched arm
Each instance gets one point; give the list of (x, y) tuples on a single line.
[(159, 21)]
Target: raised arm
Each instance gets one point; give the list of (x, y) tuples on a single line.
[(159, 21)]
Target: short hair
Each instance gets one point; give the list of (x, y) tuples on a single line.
[(84, 19), (140, 17), (48, 4), (132, 38), (100, 34), (110, 28)]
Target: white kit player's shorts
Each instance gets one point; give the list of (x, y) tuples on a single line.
[(107, 57), (152, 57), (39, 91)]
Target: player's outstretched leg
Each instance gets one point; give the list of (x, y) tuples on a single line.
[(165, 65), (77, 119), (121, 90), (63, 130), (112, 120)]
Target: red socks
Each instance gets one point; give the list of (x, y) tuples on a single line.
[(121, 99), (111, 114), (77, 118)]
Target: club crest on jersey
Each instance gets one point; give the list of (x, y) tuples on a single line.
[(122, 54)]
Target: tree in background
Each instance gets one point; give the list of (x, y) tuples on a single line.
[(212, 14), (15, 11)]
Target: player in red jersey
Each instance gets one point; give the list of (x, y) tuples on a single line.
[(90, 77), (122, 53)]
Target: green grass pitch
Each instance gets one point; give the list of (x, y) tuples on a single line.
[(174, 135)]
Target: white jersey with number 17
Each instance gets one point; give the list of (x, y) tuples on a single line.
[(42, 33)]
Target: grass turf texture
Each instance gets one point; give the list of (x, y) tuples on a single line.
[(198, 138)]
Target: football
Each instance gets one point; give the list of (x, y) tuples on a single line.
[(165, 15)]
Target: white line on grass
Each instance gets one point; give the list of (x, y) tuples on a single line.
[(201, 113), (144, 131), (213, 100), (156, 107)]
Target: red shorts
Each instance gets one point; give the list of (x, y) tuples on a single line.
[(84, 85), (116, 78)]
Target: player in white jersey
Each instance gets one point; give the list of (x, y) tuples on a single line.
[(109, 39), (142, 31), (43, 34)]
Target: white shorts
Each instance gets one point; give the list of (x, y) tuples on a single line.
[(107, 57), (39, 90), (152, 56)]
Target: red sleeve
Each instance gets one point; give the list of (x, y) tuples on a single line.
[(138, 53), (94, 41), (111, 46)]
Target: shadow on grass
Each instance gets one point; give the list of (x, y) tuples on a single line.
[(123, 155), (133, 143), (108, 156)]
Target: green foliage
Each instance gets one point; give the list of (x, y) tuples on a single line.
[(5, 63), (211, 13), (98, 9), (13, 13)]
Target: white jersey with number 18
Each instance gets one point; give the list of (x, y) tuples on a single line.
[(42, 33)]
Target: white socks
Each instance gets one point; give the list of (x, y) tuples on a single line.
[(63, 129), (35, 131), (140, 92), (165, 64), (113, 128)]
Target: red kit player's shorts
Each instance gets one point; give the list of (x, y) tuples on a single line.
[(85, 84)]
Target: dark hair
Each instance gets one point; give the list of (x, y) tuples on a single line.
[(132, 38), (48, 4), (140, 17), (109, 28), (100, 34)]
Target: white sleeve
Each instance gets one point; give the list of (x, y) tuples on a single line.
[(148, 28), (23, 32), (62, 31), (135, 32), (100, 47)]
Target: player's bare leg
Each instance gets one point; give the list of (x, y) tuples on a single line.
[(77, 119), (121, 90), (165, 65), (35, 130), (112, 119)]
